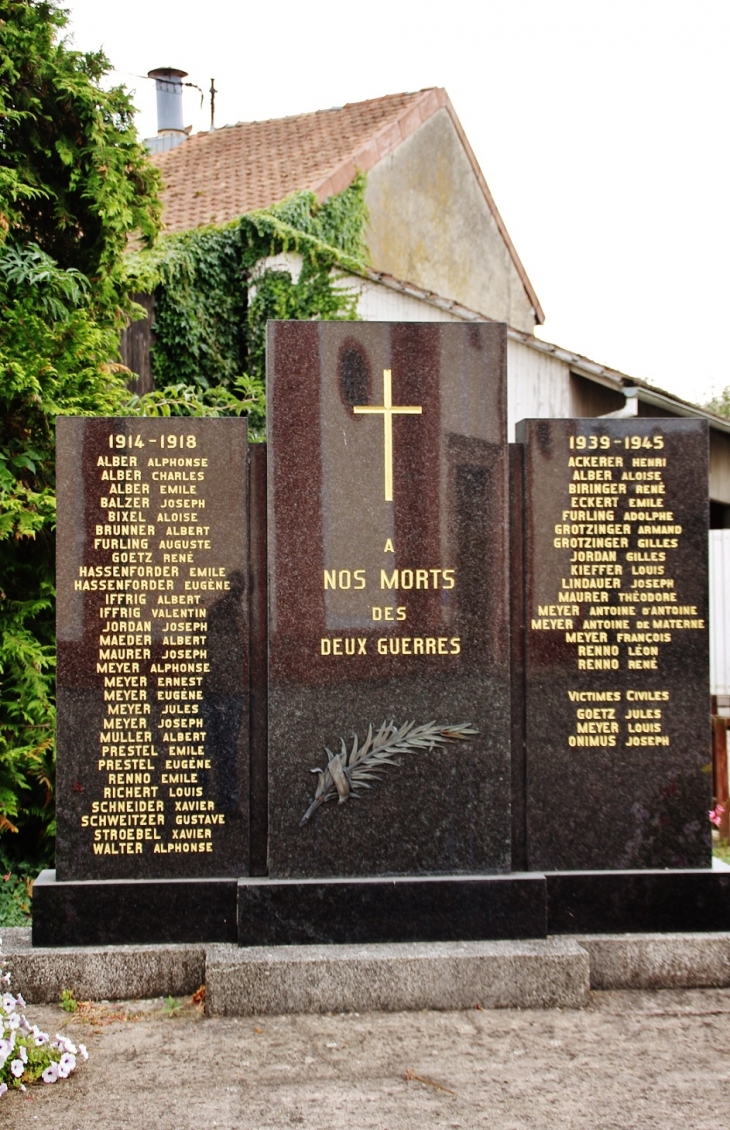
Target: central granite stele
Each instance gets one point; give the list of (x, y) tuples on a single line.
[(388, 631)]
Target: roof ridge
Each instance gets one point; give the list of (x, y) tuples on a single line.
[(309, 113)]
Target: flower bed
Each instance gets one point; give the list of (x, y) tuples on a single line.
[(28, 1055)]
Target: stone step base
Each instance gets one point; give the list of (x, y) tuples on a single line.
[(396, 977), (658, 961), (556, 972), (100, 972)]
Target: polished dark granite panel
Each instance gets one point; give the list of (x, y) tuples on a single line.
[(384, 609), (258, 775), (153, 651), (517, 648), (132, 912), (617, 678), (341, 911), (618, 902)]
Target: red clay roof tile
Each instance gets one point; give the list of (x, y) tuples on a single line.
[(215, 177)]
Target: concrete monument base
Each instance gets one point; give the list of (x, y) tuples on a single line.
[(544, 973), (549, 973)]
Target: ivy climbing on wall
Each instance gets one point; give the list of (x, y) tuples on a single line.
[(215, 288)]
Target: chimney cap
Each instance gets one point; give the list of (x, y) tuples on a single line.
[(169, 73)]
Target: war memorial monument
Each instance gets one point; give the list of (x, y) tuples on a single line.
[(386, 678)]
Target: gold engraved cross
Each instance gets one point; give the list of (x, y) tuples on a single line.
[(388, 410)]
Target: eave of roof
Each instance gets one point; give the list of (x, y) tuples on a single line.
[(583, 366), (621, 382)]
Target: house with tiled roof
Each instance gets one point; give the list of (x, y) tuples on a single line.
[(439, 249), (433, 220)]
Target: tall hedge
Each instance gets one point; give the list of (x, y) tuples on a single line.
[(74, 184)]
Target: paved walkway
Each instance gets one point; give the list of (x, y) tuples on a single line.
[(630, 1060)]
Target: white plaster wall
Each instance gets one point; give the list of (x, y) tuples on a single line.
[(290, 261), (430, 224)]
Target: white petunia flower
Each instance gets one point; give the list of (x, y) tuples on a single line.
[(50, 1075), (17, 1067), (83, 1052), (8, 1002), (3, 1089), (23, 1053), (66, 1065)]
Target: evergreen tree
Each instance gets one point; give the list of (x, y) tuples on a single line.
[(75, 186)]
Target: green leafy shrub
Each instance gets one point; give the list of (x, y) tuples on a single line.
[(214, 292), (16, 880), (74, 183)]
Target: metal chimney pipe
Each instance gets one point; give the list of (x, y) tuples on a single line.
[(168, 83)]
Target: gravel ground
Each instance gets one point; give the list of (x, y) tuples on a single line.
[(630, 1060)]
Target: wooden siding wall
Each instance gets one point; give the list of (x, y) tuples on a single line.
[(136, 343), (592, 399)]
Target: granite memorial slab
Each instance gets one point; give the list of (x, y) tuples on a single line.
[(153, 651), (389, 690), (616, 658), (126, 912), (625, 902), (405, 909)]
